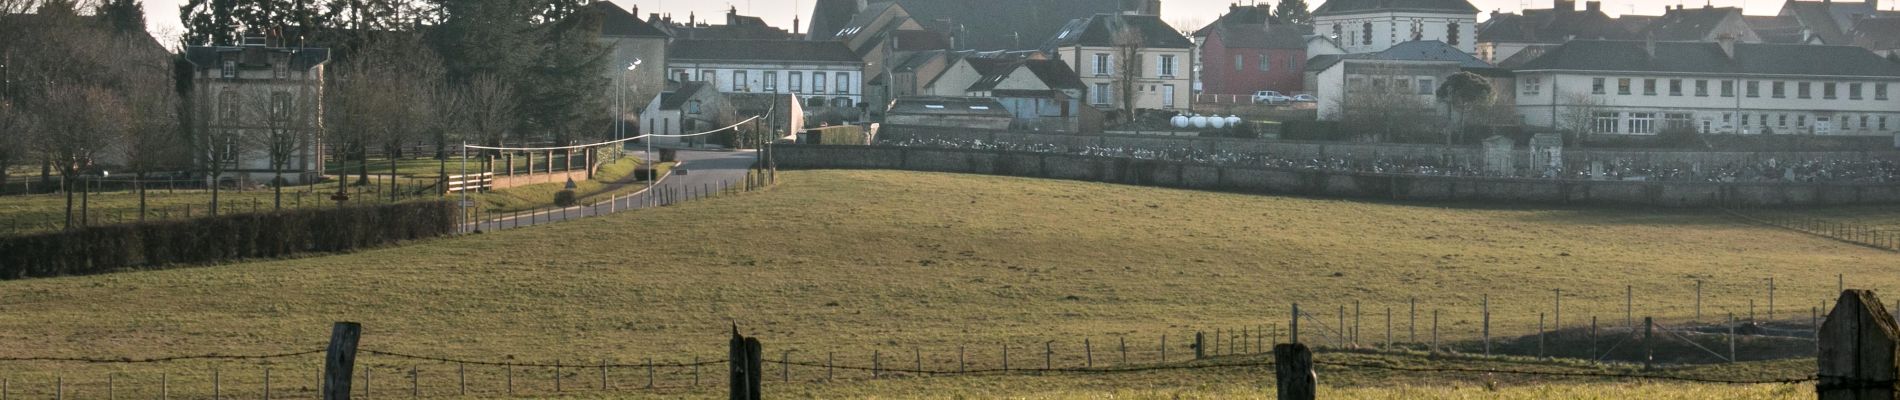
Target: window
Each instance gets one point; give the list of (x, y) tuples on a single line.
[(708, 76), (1706, 126), (1451, 34), (1533, 85), (1167, 65), (1853, 91), (1744, 119), (771, 81), (1781, 120), (1101, 64), (1426, 87), (693, 107), (1801, 121), (1728, 88), (1676, 121), (1294, 63), (1605, 122), (1167, 96), (844, 83), (280, 66), (1880, 91), (1675, 87), (1702, 88), (1804, 90), (1649, 87), (1642, 123), (1754, 89), (1623, 86), (797, 81), (817, 82), (682, 75), (1780, 90), (1883, 122), (1828, 91), (1266, 63), (1366, 37), (1596, 85), (230, 69), (1240, 63), (228, 103), (841, 102), (1101, 94), (1863, 122), (280, 106), (739, 81)]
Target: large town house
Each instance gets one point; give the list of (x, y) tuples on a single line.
[(1130, 62), (820, 73), (257, 93), (1370, 26), (1645, 88), (1244, 52)]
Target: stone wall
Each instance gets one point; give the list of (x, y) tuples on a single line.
[(1471, 156), (1330, 184)]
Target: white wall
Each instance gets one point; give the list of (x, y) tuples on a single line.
[(755, 77), (1392, 28), (1561, 89)]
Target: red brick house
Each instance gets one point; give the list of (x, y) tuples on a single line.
[(1241, 59)]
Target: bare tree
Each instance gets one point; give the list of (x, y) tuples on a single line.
[(282, 126), (1379, 103), (493, 111), (1579, 116), (12, 145), (153, 142), (1128, 42), (78, 125)]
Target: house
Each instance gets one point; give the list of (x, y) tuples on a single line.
[(631, 40), (258, 92), (1241, 59), (1645, 88), (1130, 62), (692, 107), (1503, 35), (783, 113), (1371, 26), (1705, 24), (949, 112), (1415, 68), (736, 27), (1824, 22), (873, 35), (983, 25), (1881, 35), (823, 74)]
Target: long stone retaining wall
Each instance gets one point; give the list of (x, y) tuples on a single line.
[(1327, 183), (1575, 158)]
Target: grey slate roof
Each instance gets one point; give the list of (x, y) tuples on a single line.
[(1551, 26), (1100, 31), (1054, 74), (678, 97), (761, 50), (1238, 15), (1419, 50), (1707, 58), (960, 106), (615, 21), (830, 16), (1878, 34), (1358, 6), (1689, 24), (301, 58), (1258, 36), (1002, 24)]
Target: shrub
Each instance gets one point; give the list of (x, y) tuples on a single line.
[(101, 249), (564, 198)]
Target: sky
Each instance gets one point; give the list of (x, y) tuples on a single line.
[(163, 14)]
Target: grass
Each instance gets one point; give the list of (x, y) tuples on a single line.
[(851, 262), (605, 183)]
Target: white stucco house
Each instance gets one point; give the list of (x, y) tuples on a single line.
[(1370, 26)]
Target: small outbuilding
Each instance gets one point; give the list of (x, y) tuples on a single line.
[(949, 112)]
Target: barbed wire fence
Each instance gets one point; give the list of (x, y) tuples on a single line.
[(1339, 330)]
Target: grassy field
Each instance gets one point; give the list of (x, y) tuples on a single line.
[(848, 263)]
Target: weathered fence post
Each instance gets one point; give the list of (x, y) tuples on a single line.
[(339, 360), (1198, 354), (1649, 346), (1857, 349), (743, 363), (1293, 372), (1484, 308), (1293, 328)]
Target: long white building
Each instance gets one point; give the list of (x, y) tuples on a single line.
[(820, 73), (1644, 88)]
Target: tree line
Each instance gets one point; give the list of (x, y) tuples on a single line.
[(87, 88)]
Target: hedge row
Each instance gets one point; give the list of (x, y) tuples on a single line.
[(104, 249)]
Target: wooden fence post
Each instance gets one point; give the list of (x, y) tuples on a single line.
[(1198, 354), (339, 360), (1293, 372), (742, 360), (1857, 349), (1293, 327)]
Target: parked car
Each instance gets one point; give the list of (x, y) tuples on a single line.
[(1306, 98), (1270, 97)]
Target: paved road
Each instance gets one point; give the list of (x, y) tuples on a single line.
[(704, 173)]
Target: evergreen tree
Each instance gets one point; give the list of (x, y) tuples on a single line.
[(563, 84), (1293, 12), (209, 22), (123, 15)]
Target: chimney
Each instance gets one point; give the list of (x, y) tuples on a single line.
[(1593, 6), (691, 18), (794, 25), (1564, 5), (636, 11), (1727, 41), (732, 16)]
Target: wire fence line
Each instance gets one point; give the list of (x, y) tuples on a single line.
[(1842, 230)]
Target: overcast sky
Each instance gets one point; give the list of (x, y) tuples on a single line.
[(163, 14)]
